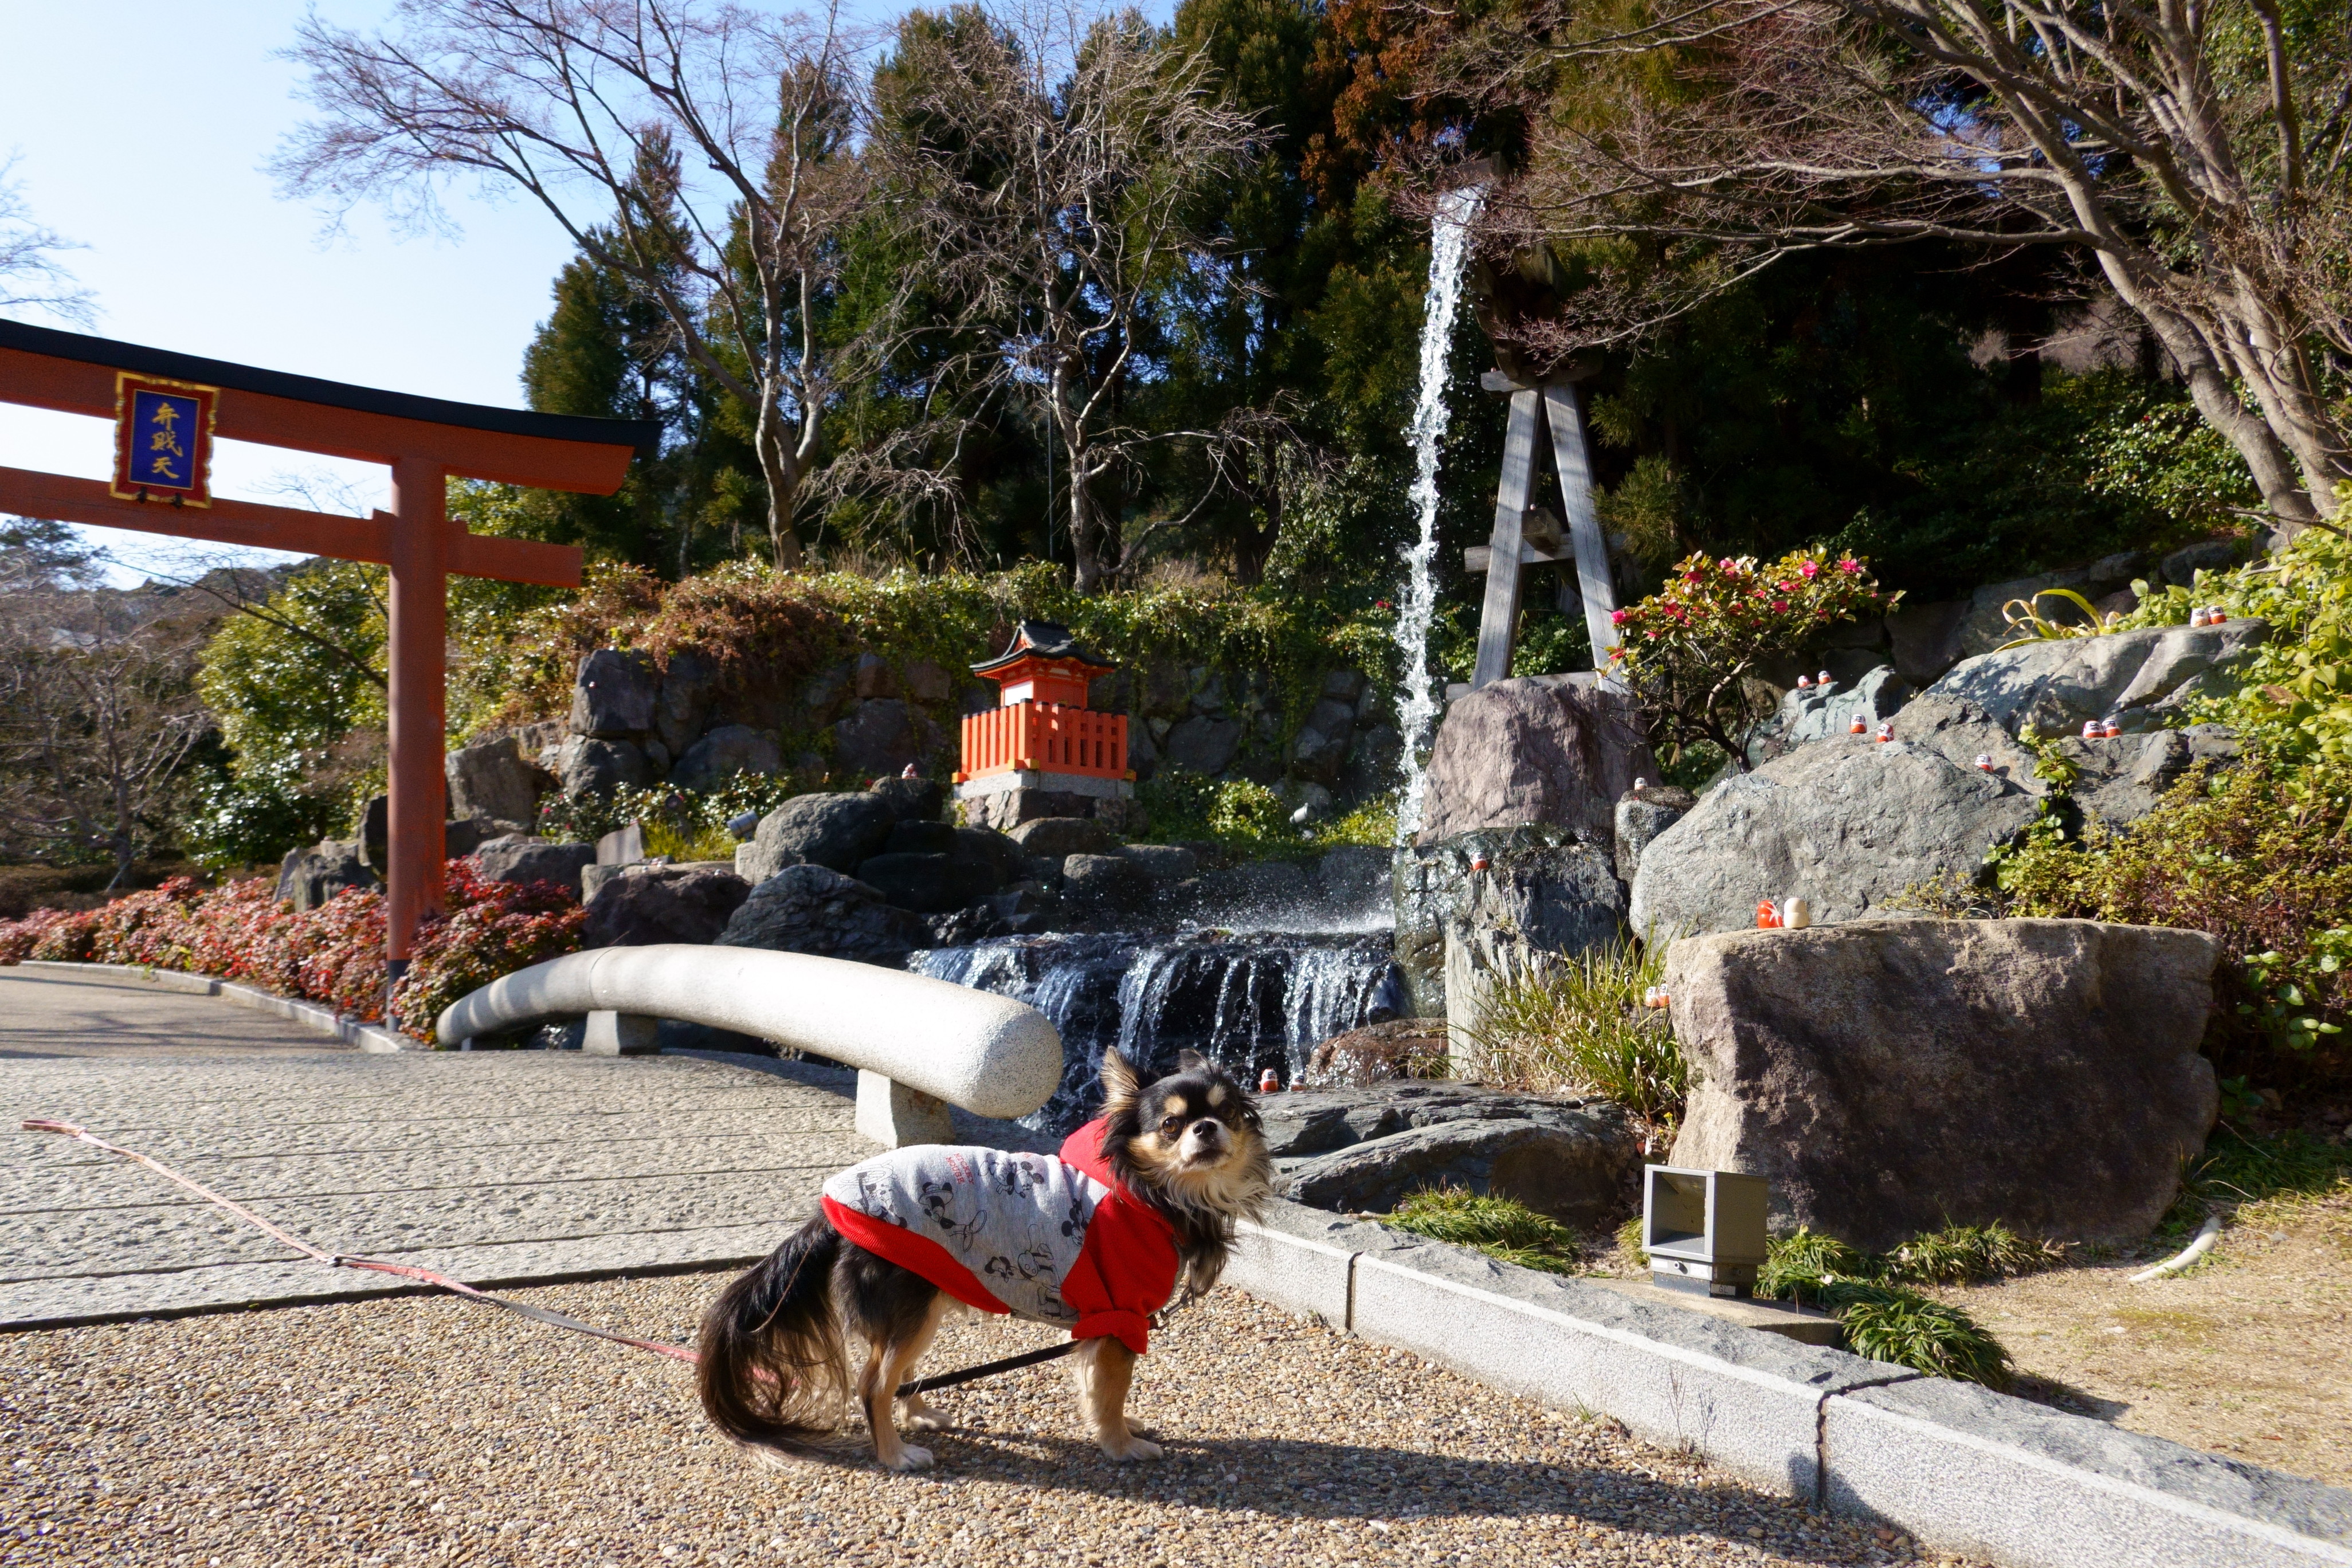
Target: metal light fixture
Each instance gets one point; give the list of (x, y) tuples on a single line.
[(1704, 1230)]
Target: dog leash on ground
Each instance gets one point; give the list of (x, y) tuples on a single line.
[(536, 1314)]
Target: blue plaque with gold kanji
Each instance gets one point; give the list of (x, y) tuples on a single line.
[(162, 440)]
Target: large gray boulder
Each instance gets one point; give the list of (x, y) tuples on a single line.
[(1544, 889), (683, 706), (1320, 748), (837, 830), (1848, 824), (612, 696), (518, 857), (1371, 1147), (599, 767), (645, 905), (1818, 713), (881, 737), (1550, 749), (1203, 744), (727, 750), (809, 909), (2142, 679), (1893, 1077), (309, 878), (493, 779), (1060, 837), (1642, 816), (2121, 780)]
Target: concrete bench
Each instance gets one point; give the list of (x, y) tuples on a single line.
[(919, 1045)]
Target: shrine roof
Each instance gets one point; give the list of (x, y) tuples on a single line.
[(1042, 639), (643, 436)]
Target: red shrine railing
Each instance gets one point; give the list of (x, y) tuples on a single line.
[(1047, 737)]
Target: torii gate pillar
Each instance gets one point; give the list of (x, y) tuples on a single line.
[(417, 703), (1525, 537)]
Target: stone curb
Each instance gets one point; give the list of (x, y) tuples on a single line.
[(370, 1038), (1958, 1468)]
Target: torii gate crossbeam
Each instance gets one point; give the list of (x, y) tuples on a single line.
[(424, 441)]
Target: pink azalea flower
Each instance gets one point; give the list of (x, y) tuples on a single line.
[(1616, 617), (1849, 564), (1810, 569), (1779, 604)]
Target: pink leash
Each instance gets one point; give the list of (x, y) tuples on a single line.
[(377, 1265)]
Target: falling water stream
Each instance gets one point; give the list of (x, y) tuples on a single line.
[(1449, 248)]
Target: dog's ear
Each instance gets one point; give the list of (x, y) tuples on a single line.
[(1193, 1061), (1119, 1085)]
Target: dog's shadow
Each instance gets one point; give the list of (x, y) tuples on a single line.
[(1306, 1480)]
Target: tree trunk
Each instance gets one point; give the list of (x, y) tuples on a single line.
[(2209, 387), (778, 466), (1086, 532)]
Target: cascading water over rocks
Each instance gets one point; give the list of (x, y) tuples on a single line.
[(1248, 1003)]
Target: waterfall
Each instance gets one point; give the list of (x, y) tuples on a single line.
[(1246, 1002), (1449, 248)]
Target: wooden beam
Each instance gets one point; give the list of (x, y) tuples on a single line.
[(27, 492), (1498, 618), (80, 386), (1476, 558), (1564, 412), (30, 493), (512, 560)]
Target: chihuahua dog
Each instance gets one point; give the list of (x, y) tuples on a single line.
[(1098, 1240)]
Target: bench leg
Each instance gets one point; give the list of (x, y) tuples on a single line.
[(895, 1116), (620, 1035)]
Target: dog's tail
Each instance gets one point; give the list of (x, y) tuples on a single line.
[(772, 1371)]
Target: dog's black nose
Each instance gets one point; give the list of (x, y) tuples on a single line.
[(1210, 1128)]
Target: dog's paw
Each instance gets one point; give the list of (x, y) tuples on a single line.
[(910, 1458), (1133, 1451), (923, 1418)]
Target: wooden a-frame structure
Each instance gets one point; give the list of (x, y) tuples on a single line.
[(1525, 536)]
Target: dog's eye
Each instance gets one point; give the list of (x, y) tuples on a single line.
[(1170, 1125)]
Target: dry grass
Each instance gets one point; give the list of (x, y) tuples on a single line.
[(2248, 1354), (1577, 1023)]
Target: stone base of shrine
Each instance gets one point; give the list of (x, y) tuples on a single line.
[(1004, 800)]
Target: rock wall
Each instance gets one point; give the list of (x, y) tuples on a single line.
[(632, 722)]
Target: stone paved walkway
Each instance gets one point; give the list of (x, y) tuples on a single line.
[(499, 1168), (51, 1013)]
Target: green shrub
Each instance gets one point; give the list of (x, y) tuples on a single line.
[(1577, 1021), (1883, 1319), (1501, 1228), (1889, 1323), (2250, 1177), (2259, 854), (1968, 1255)]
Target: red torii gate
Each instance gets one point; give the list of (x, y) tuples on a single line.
[(423, 440)]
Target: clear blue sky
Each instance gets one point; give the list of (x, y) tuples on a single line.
[(143, 127)]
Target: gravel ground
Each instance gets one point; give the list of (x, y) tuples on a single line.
[(428, 1430)]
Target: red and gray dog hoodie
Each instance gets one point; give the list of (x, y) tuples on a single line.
[(1056, 1241)]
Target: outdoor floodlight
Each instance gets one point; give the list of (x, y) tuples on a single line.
[(1704, 1230)]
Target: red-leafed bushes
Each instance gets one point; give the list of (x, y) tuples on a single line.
[(332, 954), (492, 928)]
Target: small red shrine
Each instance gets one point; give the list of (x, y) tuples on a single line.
[(1043, 736)]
